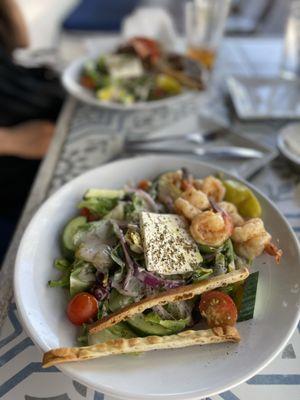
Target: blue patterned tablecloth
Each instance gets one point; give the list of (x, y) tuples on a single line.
[(21, 375)]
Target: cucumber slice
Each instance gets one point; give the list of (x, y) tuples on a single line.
[(248, 298), (107, 193), (145, 328), (68, 234)]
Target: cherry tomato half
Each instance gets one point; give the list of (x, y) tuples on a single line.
[(218, 308), (85, 212), (146, 48), (82, 308)]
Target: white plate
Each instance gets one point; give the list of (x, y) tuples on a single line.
[(71, 83), (260, 98), (285, 132), (189, 373)]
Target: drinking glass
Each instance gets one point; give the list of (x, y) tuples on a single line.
[(205, 21), (290, 63)]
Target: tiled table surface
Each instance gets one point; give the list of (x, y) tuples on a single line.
[(21, 376)]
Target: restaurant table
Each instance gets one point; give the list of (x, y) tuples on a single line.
[(76, 148)]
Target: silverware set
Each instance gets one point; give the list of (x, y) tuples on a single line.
[(150, 145)]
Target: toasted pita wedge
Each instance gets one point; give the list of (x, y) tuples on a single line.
[(170, 296), (122, 346)]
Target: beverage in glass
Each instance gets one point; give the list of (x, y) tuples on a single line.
[(205, 21)]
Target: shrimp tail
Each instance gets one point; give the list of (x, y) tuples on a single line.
[(274, 251), (227, 218), (215, 206)]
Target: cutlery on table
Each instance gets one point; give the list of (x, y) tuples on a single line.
[(218, 151), (193, 137)]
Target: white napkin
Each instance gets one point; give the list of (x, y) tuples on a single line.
[(155, 23)]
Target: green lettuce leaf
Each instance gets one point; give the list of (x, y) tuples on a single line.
[(121, 330), (201, 273), (65, 267), (99, 205), (82, 278), (173, 325), (133, 208), (118, 301)]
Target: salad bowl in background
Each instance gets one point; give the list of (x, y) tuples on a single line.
[(139, 74), (188, 373), (71, 83)]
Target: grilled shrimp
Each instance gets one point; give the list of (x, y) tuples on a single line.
[(214, 188), (274, 251), (254, 246), (169, 187), (231, 209), (251, 228), (210, 228), (196, 197), (197, 183), (191, 202), (185, 208), (251, 239)]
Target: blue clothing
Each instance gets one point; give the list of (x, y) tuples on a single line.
[(99, 15)]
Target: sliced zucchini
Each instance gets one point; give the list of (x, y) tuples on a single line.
[(108, 193)]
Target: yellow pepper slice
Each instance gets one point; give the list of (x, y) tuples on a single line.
[(243, 198), (168, 84)]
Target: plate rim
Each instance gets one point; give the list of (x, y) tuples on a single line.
[(283, 133), (29, 328)]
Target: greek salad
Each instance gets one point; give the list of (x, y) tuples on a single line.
[(126, 245)]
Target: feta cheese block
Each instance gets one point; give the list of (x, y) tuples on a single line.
[(168, 246), (122, 66)]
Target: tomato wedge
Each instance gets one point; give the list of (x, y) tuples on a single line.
[(218, 308), (82, 308)]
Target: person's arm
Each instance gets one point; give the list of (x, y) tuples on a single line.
[(13, 31), (28, 140), (5, 142)]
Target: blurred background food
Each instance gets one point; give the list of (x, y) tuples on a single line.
[(44, 19)]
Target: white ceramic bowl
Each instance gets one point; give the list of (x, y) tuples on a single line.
[(189, 373), (70, 80)]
